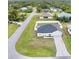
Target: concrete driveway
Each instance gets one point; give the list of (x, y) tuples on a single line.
[(60, 46)]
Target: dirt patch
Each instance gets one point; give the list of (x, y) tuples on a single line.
[(47, 43)]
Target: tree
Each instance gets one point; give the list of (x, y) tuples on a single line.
[(13, 15), (39, 9), (55, 17), (64, 19)]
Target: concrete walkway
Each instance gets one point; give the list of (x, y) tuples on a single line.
[(60, 46)]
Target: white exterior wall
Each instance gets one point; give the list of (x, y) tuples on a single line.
[(49, 17), (55, 10), (56, 33), (42, 34), (41, 17), (39, 34)]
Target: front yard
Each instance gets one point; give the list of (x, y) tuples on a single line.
[(30, 45), (11, 29)]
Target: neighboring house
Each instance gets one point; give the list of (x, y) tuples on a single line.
[(55, 9), (47, 29), (45, 10), (15, 22), (23, 8), (64, 14), (46, 15)]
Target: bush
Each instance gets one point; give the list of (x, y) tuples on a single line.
[(39, 9), (64, 19)]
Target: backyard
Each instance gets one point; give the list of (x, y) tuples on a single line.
[(31, 45)]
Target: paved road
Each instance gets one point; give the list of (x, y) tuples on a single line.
[(14, 38), (60, 46)]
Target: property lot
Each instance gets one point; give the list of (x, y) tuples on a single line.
[(11, 29), (31, 45)]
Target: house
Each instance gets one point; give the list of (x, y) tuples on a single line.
[(45, 10), (46, 15), (64, 14), (55, 9), (23, 8), (47, 29), (15, 22)]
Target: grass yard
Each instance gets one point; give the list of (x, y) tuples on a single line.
[(30, 45), (11, 29), (66, 37)]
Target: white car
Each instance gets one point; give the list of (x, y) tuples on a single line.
[(69, 29)]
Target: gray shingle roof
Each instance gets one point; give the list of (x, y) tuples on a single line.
[(48, 28), (47, 14), (64, 14)]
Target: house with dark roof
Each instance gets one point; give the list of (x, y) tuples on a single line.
[(55, 9), (47, 28)]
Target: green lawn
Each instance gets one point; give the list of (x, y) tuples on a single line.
[(30, 45), (11, 29), (66, 37)]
